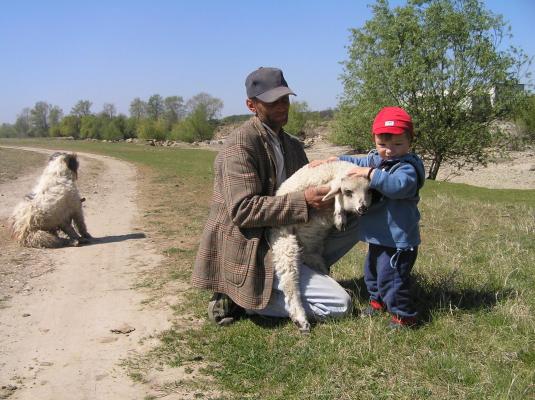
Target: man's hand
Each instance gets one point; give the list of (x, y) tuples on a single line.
[(315, 163), (314, 195)]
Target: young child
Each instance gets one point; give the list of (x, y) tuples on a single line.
[(390, 226)]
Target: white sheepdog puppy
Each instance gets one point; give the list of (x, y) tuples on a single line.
[(53, 205), (293, 244)]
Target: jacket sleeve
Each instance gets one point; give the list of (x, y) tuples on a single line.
[(401, 183), (360, 161), (246, 196)]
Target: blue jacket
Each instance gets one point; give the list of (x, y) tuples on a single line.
[(393, 221)]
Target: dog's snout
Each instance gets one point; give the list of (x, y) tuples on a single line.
[(362, 210)]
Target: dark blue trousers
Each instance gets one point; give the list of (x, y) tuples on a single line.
[(387, 276)]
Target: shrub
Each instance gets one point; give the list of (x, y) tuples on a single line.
[(148, 129), (525, 119), (90, 127), (195, 127)]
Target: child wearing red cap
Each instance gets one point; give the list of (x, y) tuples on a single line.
[(391, 225)]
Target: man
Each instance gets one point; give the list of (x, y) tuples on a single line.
[(234, 259)]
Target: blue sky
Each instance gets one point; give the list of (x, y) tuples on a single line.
[(113, 51)]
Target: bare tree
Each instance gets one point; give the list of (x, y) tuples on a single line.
[(108, 110), (82, 108), (138, 108)]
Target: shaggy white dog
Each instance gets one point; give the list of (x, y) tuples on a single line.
[(53, 205), (293, 244)]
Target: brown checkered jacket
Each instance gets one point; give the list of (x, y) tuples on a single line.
[(233, 255)]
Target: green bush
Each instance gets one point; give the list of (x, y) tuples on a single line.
[(194, 128), (149, 129), (352, 127), (112, 131), (525, 119), (297, 118), (7, 130), (90, 127), (69, 126)]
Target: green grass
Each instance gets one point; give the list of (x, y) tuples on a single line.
[(180, 163), (474, 285)]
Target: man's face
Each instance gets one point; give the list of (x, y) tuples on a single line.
[(275, 114), (391, 146)]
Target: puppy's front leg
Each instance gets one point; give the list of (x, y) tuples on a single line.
[(79, 222), (340, 219), (71, 233)]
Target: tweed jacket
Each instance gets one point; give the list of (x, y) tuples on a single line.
[(234, 256)]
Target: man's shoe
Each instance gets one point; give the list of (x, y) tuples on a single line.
[(222, 310), (374, 308), (400, 323)]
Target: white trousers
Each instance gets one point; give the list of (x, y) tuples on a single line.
[(321, 295)]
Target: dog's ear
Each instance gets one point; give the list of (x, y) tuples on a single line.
[(72, 162), (336, 185)]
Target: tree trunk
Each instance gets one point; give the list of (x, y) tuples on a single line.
[(435, 166)]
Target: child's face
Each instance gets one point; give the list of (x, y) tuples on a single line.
[(391, 146)]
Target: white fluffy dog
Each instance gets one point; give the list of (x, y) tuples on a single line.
[(53, 205), (293, 244)]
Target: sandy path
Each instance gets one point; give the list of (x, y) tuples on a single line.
[(55, 340)]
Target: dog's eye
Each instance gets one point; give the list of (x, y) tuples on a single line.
[(348, 193)]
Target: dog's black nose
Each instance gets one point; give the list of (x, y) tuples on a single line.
[(362, 210)]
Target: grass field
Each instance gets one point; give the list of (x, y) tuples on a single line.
[(474, 284)]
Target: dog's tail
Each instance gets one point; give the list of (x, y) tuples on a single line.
[(23, 230)]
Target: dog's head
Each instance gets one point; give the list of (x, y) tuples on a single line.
[(63, 162), (355, 194)]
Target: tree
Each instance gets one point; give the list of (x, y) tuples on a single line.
[(90, 127), (39, 119), (297, 118), (149, 129), (23, 123), (112, 129), (435, 58), (155, 107), (108, 110), (174, 110), (55, 115), (211, 105), (195, 127), (82, 108), (69, 126), (525, 118), (138, 109), (8, 130)]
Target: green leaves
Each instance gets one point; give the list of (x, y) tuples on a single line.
[(441, 61)]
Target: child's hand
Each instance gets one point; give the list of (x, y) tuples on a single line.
[(316, 163), (364, 172)]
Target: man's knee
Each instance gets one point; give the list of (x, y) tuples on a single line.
[(342, 304)]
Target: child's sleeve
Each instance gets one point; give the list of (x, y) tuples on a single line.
[(401, 184), (360, 161)]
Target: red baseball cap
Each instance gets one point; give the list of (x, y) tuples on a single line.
[(394, 120)]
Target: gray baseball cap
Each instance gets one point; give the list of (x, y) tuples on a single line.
[(267, 85)]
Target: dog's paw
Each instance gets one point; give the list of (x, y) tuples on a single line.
[(304, 327), (83, 240)]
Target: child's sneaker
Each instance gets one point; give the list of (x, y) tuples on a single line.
[(402, 322), (374, 308)]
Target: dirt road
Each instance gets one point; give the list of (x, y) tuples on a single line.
[(56, 339)]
